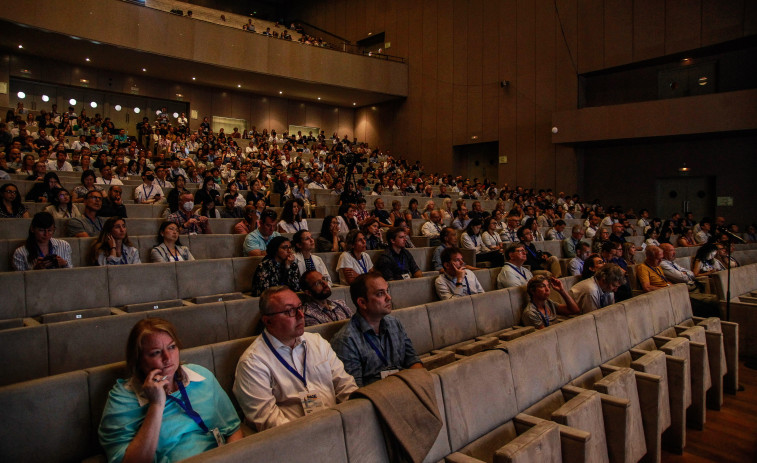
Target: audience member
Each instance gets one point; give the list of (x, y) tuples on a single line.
[(702, 304), (113, 246), (536, 259), (541, 311), (592, 263), (61, 206), (12, 207), (455, 280), (319, 308), (599, 291), (188, 221), (41, 250), (249, 221), (148, 192), (256, 242), (396, 262), (570, 244), (650, 274), (513, 273), (304, 246), (43, 192), (277, 268), (89, 224), (169, 248), (291, 217), (354, 261), (113, 204)]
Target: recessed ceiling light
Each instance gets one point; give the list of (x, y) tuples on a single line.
[(319, 98), (239, 85), (72, 101), (194, 78), (20, 46), (354, 104), (45, 98), (21, 95), (144, 70), (86, 59), (175, 115), (136, 110), (280, 92), (93, 105), (117, 107)]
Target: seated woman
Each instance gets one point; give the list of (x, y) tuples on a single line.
[(328, 240), (650, 237), (208, 209), (373, 236), (87, 184), (599, 239), (446, 209), (291, 217), (278, 267), (491, 237), (686, 240), (629, 251), (41, 250), (169, 248), (430, 206), (355, 261), (208, 192), (43, 192), (173, 195), (472, 239), (12, 207), (723, 257), (347, 219), (412, 211), (542, 311), (146, 416), (113, 247), (233, 190), (304, 245), (61, 206), (705, 261)]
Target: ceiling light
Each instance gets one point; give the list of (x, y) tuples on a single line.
[(45, 98), (86, 59), (319, 98), (239, 85), (20, 46), (354, 104), (21, 95), (136, 110), (280, 92), (175, 115), (144, 69), (157, 112), (117, 107), (93, 105), (194, 78), (72, 101)]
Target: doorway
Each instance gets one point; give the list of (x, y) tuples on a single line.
[(686, 194), (477, 161)]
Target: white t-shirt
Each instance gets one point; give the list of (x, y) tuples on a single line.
[(360, 266)]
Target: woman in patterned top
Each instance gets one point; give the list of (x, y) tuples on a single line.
[(278, 267)]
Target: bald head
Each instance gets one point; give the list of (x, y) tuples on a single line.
[(668, 251), (653, 256)]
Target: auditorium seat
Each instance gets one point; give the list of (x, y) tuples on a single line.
[(50, 291), (204, 277), (130, 284), (211, 318), (13, 302), (453, 327), (24, 354), (415, 320), (407, 293)]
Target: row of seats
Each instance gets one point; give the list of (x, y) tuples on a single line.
[(741, 307), (502, 401)]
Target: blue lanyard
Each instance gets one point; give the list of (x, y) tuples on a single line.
[(654, 269), (362, 264), (401, 263), (144, 190), (296, 225), (95, 224), (175, 256), (376, 349), (475, 240), (544, 319), (530, 251), (523, 274), (185, 404), (50, 249), (301, 377)]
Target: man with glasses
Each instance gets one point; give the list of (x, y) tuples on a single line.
[(321, 309), (373, 344), (89, 224), (286, 373), (513, 273)]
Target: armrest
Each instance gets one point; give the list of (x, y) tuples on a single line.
[(516, 332), (28, 321), (476, 346), (436, 360), (458, 457), (731, 346), (540, 443), (574, 441), (115, 311)]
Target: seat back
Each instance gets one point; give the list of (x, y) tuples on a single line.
[(225, 358), (680, 303), (204, 277), (244, 269), (452, 321), (578, 345), (51, 291), (415, 291), (484, 277), (639, 316), (417, 326), (131, 284), (24, 354), (210, 317), (465, 383), (518, 301), (492, 311), (13, 302), (536, 379), (612, 331), (213, 246), (242, 317)]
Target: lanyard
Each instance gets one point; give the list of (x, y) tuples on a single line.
[(544, 319), (301, 377), (144, 190), (475, 240), (50, 250), (184, 403), (309, 264), (175, 256), (362, 264), (523, 274), (96, 224), (376, 349), (296, 225), (530, 251), (401, 263), (123, 255), (659, 274)]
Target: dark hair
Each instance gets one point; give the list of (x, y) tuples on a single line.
[(326, 227), (533, 283), (393, 232), (87, 173), (303, 279), (611, 273), (55, 200), (134, 342), (445, 231), (559, 222), (101, 243), (448, 253), (273, 246), (608, 246), (297, 238), (512, 248), (587, 271), (704, 251), (473, 223), (16, 203), (359, 286), (287, 215), (351, 237), (42, 220), (521, 231), (265, 297), (268, 214), (163, 227)]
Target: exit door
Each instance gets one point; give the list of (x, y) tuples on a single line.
[(686, 194)]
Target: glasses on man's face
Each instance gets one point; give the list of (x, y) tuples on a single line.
[(290, 312)]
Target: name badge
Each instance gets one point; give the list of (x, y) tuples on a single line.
[(405, 276), (311, 403), (220, 440), (386, 373)]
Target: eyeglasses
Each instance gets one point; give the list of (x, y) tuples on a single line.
[(13, 192), (290, 312)]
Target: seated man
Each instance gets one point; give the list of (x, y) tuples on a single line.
[(619, 233), (113, 205), (702, 305), (509, 233), (319, 308), (373, 344), (148, 192), (455, 280), (60, 163), (542, 311), (448, 237), (249, 221), (89, 224), (593, 228), (462, 219), (189, 222), (256, 241), (513, 273), (381, 214), (230, 211), (286, 373), (556, 232), (106, 177), (396, 262), (576, 264), (599, 291), (570, 244), (650, 274), (538, 260), (433, 228)]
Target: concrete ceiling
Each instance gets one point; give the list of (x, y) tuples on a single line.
[(68, 49)]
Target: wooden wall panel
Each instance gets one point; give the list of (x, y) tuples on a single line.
[(240, 106), (296, 113), (683, 25), (544, 96), (475, 57), (750, 18), (330, 120), (429, 77), (526, 73), (722, 21), (566, 47), (313, 116), (508, 53), (618, 22), (591, 35), (648, 29), (277, 115)]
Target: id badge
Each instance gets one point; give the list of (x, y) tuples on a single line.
[(405, 276), (218, 437), (311, 403), (385, 373)]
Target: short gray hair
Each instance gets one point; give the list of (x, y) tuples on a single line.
[(611, 274), (265, 298)]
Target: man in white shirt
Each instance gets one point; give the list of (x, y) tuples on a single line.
[(576, 264), (148, 192), (286, 373), (509, 232), (106, 177), (433, 227), (703, 235), (556, 232), (701, 304), (593, 227), (60, 164), (455, 280), (513, 273), (598, 291)]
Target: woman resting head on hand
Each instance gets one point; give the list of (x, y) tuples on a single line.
[(146, 416)]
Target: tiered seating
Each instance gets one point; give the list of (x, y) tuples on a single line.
[(486, 401)]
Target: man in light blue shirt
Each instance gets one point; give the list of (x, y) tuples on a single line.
[(256, 241)]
